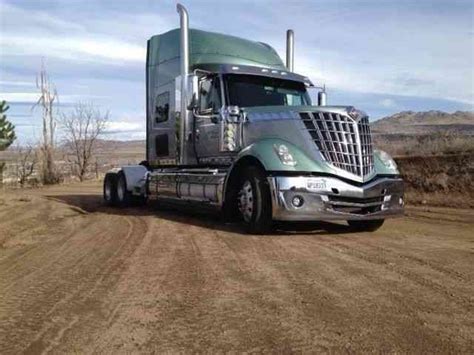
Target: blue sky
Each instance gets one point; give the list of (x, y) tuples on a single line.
[(380, 56)]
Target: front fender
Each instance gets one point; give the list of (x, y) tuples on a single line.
[(264, 152)]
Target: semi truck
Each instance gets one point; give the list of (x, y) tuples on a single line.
[(232, 127)]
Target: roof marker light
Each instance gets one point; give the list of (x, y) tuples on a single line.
[(274, 71), (235, 68), (264, 70), (283, 73)]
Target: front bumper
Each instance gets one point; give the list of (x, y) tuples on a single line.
[(329, 198)]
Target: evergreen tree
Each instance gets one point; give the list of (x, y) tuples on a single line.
[(7, 130)]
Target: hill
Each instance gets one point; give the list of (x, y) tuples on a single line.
[(428, 122)]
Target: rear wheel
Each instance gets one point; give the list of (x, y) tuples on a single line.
[(124, 197), (254, 201), (110, 189), (366, 226)]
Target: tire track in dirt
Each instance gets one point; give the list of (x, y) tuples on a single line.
[(146, 280), (373, 256), (392, 306), (97, 290), (58, 291)]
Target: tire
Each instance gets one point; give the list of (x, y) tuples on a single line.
[(124, 197), (366, 226), (254, 201), (110, 189)]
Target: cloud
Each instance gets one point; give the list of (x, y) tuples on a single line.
[(388, 103), (43, 34), (16, 83), (31, 21), (114, 127), (127, 129), (73, 48), (19, 97), (28, 97)]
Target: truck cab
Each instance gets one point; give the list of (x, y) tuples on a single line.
[(230, 125)]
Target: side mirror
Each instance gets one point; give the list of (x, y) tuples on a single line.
[(192, 91), (234, 114), (233, 110)]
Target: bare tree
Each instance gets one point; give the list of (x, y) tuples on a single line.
[(27, 159), (47, 101), (82, 127)]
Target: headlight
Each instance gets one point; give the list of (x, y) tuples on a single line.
[(386, 160), (283, 153)]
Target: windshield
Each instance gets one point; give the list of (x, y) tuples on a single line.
[(253, 90)]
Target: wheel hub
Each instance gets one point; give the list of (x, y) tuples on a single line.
[(245, 201)]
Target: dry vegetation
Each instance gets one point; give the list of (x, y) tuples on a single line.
[(106, 155), (438, 143), (435, 154)]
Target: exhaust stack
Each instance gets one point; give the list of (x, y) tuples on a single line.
[(322, 98), (290, 50), (184, 58)]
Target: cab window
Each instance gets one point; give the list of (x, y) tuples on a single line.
[(210, 96), (253, 90)]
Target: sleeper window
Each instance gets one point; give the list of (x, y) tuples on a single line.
[(162, 107)]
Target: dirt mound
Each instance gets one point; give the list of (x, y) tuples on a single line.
[(445, 180)]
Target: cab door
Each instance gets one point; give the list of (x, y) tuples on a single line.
[(207, 122)]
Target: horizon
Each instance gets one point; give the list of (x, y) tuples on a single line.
[(412, 57)]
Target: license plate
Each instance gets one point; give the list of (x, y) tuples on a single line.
[(316, 184)]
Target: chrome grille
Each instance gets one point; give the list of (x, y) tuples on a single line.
[(343, 141)]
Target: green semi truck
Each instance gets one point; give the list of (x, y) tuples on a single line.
[(229, 125)]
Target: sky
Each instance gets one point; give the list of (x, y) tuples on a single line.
[(380, 56)]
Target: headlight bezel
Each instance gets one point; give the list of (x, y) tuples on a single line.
[(283, 153), (386, 159)]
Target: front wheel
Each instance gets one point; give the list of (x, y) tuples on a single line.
[(366, 226), (254, 201)]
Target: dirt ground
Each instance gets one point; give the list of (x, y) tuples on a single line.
[(76, 276)]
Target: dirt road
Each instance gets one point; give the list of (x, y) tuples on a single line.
[(78, 276)]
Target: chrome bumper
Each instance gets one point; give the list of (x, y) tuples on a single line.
[(328, 198)]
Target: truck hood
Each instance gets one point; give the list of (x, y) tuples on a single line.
[(259, 113)]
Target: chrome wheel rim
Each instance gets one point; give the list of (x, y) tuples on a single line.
[(245, 201), (120, 190)]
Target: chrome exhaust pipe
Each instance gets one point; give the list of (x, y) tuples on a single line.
[(184, 59), (322, 97), (290, 50)]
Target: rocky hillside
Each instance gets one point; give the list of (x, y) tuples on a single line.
[(428, 122)]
